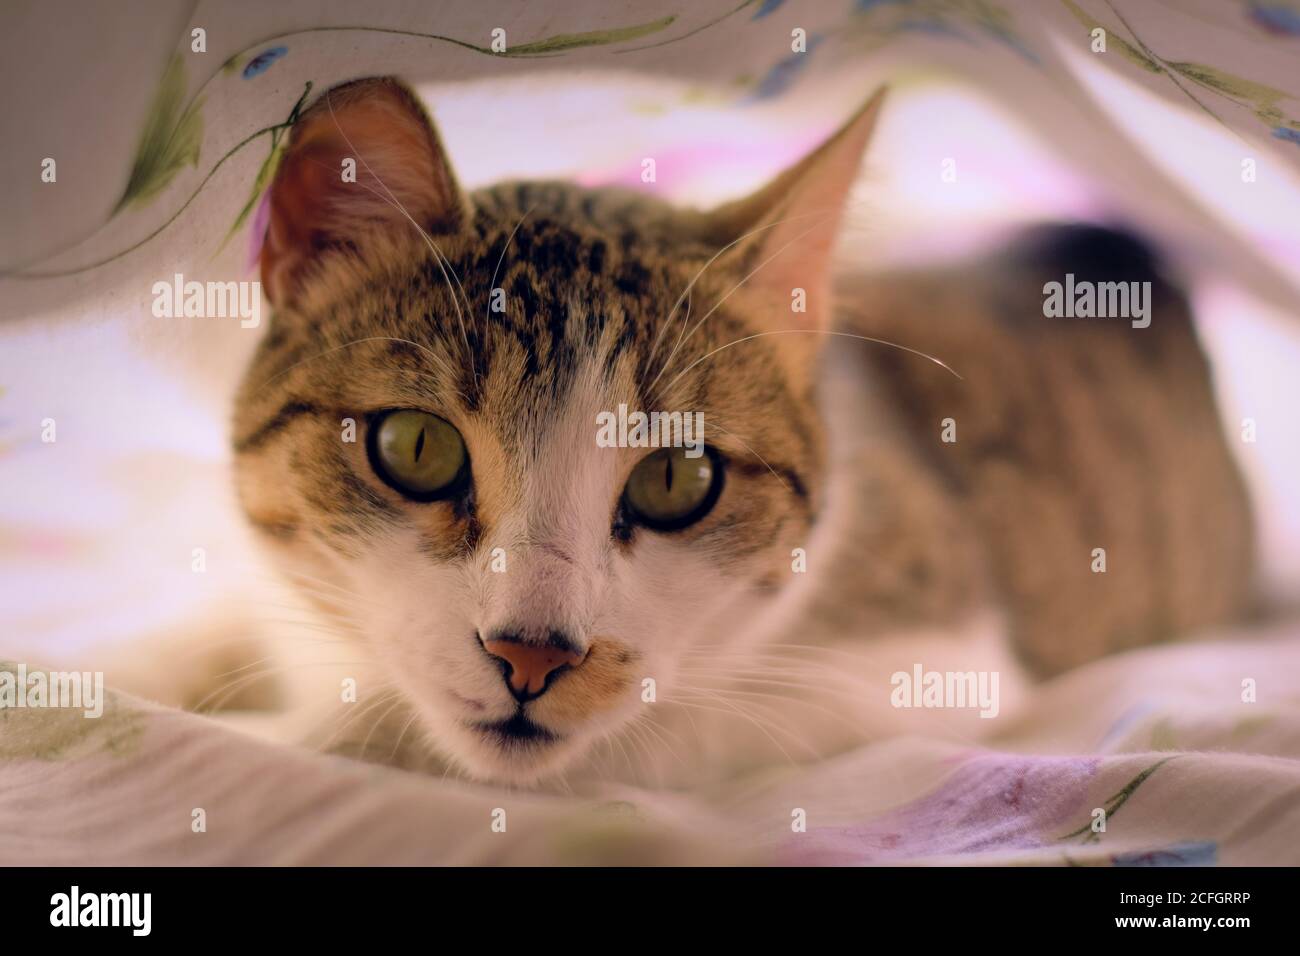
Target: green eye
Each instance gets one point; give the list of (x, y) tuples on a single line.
[(667, 490), (419, 454)]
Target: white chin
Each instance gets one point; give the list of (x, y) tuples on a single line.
[(508, 753)]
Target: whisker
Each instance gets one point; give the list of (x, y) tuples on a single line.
[(415, 715), (443, 263), (229, 688), (726, 296), (365, 745), (653, 728), (850, 335), (714, 423), (836, 715), (645, 756), (352, 718), (501, 258), (714, 258), (737, 710)]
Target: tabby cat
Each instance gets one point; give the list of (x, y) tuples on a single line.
[(416, 439)]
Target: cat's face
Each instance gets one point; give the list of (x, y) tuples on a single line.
[(432, 457)]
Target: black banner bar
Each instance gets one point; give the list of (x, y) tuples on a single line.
[(330, 905)]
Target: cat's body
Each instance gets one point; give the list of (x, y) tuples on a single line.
[(528, 618), (1087, 462)]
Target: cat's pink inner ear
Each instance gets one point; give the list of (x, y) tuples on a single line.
[(790, 226), (362, 161)]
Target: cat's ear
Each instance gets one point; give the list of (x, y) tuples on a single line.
[(783, 234), (364, 159)]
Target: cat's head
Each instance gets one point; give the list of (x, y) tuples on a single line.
[(425, 432)]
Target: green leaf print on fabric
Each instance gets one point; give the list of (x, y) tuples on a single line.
[(1114, 802), (1263, 98), (563, 42), (269, 165), (172, 137), (1126, 49)]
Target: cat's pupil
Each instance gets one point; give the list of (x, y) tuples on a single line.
[(419, 445), (668, 476)]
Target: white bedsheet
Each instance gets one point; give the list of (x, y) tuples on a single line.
[(1187, 772)]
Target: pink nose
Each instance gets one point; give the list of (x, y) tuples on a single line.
[(529, 665)]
